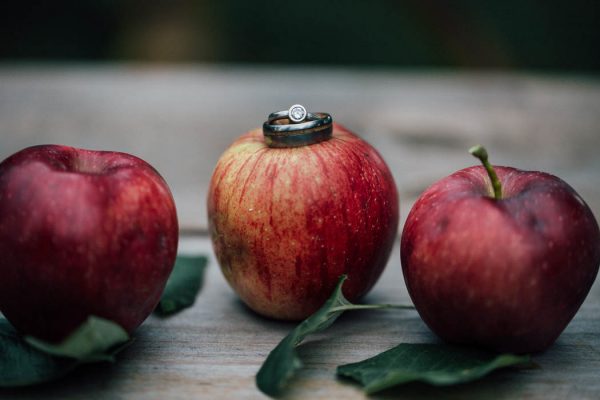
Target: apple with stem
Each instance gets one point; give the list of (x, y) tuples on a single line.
[(499, 257), (82, 233)]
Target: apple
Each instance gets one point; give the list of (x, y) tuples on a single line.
[(287, 222), (499, 257), (82, 233)]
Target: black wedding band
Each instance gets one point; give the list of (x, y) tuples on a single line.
[(281, 131)]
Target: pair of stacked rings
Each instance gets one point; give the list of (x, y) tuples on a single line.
[(296, 127)]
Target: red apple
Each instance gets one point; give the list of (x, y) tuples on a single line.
[(506, 271), (82, 233), (287, 222)]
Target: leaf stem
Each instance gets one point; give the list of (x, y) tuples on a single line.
[(481, 153)]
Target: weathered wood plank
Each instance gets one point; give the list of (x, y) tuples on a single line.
[(180, 119), (214, 350)]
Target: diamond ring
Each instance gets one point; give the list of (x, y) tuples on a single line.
[(294, 115), (296, 127)]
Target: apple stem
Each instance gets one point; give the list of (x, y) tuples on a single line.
[(481, 153)]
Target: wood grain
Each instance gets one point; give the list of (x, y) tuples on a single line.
[(181, 119), (213, 351)]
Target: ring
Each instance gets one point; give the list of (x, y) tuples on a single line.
[(302, 128), (285, 115)]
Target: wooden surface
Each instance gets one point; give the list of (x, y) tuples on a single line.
[(180, 119), (213, 351)]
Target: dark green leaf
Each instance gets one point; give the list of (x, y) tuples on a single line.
[(283, 361), (32, 361), (183, 285), (88, 343), (439, 365), (21, 364)]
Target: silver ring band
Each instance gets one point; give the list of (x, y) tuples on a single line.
[(285, 115)]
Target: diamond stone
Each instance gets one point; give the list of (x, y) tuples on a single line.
[(297, 113)]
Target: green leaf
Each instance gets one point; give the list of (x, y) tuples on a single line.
[(183, 285), (283, 361), (439, 365), (90, 342), (32, 361), (22, 365)]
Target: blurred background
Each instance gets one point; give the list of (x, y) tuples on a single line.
[(513, 34), (174, 82)]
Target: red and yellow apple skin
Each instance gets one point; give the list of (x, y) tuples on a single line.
[(287, 222), (82, 233), (504, 274)]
